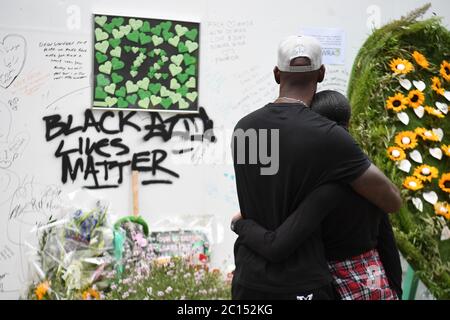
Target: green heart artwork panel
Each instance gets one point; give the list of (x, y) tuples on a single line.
[(145, 64)]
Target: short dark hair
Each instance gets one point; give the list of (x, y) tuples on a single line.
[(332, 105)]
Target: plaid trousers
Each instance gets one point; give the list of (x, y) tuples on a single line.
[(361, 278)]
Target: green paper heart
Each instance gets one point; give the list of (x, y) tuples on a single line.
[(100, 20), (121, 92), (100, 57), (143, 94), (157, 40), (133, 36), (100, 93), (156, 66), (125, 29), (117, 34), (191, 70), (158, 76), (191, 46), (117, 64), (143, 84), (183, 90), (143, 51), (151, 54), (110, 101), (183, 104), (163, 52), (175, 97), (114, 42), (122, 103), (100, 35), (188, 59), (135, 49), (174, 41), (166, 103), (116, 52), (118, 21), (110, 88), (131, 87), (182, 47), (108, 27), (191, 83), (154, 87), (133, 73), (166, 25), (180, 30), (167, 35), (144, 38), (156, 30), (145, 27), (182, 77), (174, 69), (174, 85), (157, 51), (144, 103), (164, 92), (155, 100), (127, 48), (191, 34), (177, 59), (105, 68), (102, 46), (164, 59), (116, 78), (136, 64), (192, 96), (165, 76), (132, 99), (135, 23), (160, 63), (102, 80)]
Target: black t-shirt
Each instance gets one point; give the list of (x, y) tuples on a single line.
[(312, 151)]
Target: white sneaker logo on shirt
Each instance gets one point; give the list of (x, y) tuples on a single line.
[(308, 297)]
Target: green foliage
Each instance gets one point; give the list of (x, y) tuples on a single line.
[(371, 83)]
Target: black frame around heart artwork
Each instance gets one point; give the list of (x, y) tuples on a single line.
[(145, 64)]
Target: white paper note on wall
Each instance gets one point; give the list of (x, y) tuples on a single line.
[(332, 41)]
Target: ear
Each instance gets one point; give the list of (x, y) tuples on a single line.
[(276, 74), (321, 74)]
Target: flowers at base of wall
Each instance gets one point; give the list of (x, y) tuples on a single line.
[(397, 103)]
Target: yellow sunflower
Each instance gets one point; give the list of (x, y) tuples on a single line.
[(434, 112), (426, 172), (401, 66), (442, 209), (397, 103), (426, 134), (412, 183), (436, 85), (406, 140), (396, 153), (41, 290), (415, 98), (420, 59), (444, 182), (446, 149), (91, 294), (445, 70)]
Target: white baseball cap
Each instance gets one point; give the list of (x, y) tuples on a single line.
[(299, 46)]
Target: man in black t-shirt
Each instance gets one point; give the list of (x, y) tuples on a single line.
[(306, 151)]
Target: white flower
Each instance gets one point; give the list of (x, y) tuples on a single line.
[(150, 290), (125, 295), (160, 293), (169, 290)]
